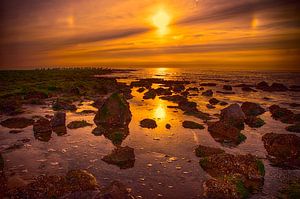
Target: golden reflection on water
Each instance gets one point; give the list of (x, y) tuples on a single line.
[(160, 112)]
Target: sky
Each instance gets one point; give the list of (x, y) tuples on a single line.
[(244, 34)]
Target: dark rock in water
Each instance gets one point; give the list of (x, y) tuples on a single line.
[(114, 112), (123, 157), (294, 105), (10, 107), (42, 129), (295, 88), (174, 98), (201, 89), (88, 112), (116, 135), (116, 190), (17, 123), (214, 101), (178, 88), (99, 103), (208, 84), (57, 186), (192, 89), (278, 87), (168, 126), (233, 115), (98, 131), (283, 149), (248, 89), (192, 125), (125, 90), (254, 122), (225, 133), (185, 93), (59, 119), (263, 86), (151, 94), (283, 114), (62, 105), (140, 90), (223, 103), (15, 131), (208, 93), (227, 87), (141, 83), (226, 92), (148, 123), (204, 151), (252, 109), (198, 114), (60, 130), (187, 105), (294, 128), (78, 124), (209, 106), (244, 172)]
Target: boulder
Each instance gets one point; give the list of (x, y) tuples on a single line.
[(114, 112), (123, 157), (59, 119), (17, 122), (78, 124), (278, 87), (282, 114), (214, 101), (163, 91), (150, 94), (263, 86), (204, 151), (187, 105), (254, 122), (209, 106), (148, 123), (168, 126), (233, 115), (42, 129), (208, 93), (192, 125), (252, 109), (283, 149)]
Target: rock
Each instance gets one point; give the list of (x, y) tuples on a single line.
[(35, 95), (254, 122), (223, 103), (178, 88), (168, 126), (148, 123), (116, 135), (62, 105), (1, 162), (209, 106), (78, 124), (233, 115), (227, 87), (185, 93), (57, 186), (214, 101), (163, 91), (246, 170), (99, 103), (15, 131), (10, 107), (208, 84), (252, 109), (294, 128), (192, 89), (116, 190), (114, 112), (42, 129), (17, 122), (282, 114), (59, 119), (187, 105), (84, 112), (283, 149), (60, 130), (174, 98), (203, 151), (98, 131), (291, 190), (225, 133), (192, 125), (198, 114), (208, 93), (140, 90), (150, 94), (295, 88), (141, 83), (278, 87), (123, 157), (226, 92), (248, 89), (263, 86), (294, 105)]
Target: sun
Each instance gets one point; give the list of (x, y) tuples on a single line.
[(161, 21)]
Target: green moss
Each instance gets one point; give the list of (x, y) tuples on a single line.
[(241, 189), (242, 138), (261, 167)]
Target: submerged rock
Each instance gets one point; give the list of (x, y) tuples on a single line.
[(208, 93), (214, 101), (192, 125), (140, 90), (204, 151), (254, 122), (59, 119), (116, 190), (150, 94), (17, 122), (78, 124), (148, 123), (114, 112), (123, 157), (252, 109), (233, 115), (283, 149)]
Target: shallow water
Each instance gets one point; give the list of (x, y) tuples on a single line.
[(165, 161)]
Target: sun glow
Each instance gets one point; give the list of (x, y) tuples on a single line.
[(160, 112), (161, 21)]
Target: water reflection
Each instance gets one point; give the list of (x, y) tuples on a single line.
[(160, 112)]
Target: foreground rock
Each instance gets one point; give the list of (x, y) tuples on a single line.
[(235, 176), (116, 190), (148, 123), (284, 115), (192, 125), (204, 151), (123, 157), (78, 124), (57, 186), (58, 120), (283, 149), (42, 129), (114, 112), (17, 123), (233, 115)]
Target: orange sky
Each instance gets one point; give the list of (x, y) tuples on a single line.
[(245, 34)]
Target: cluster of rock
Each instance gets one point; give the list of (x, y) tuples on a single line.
[(252, 111), (228, 128), (234, 176)]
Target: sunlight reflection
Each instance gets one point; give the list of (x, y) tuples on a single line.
[(160, 112)]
